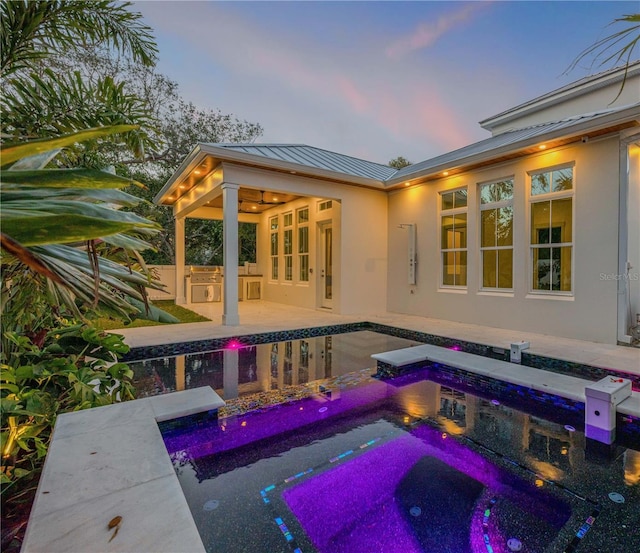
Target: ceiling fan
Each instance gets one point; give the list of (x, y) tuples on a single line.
[(244, 204), (262, 201)]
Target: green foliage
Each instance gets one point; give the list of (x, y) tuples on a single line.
[(46, 213), (68, 368), (52, 103), (35, 29), (399, 162)]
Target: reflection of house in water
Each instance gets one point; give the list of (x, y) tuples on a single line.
[(260, 368), (460, 413), (550, 450)]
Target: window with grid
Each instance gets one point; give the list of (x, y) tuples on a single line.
[(273, 228), (453, 237), (302, 216), (496, 234), (287, 234), (551, 204)]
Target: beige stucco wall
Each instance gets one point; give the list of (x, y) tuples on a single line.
[(589, 314), (359, 237)]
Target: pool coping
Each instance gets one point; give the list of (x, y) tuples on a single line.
[(73, 508), (541, 380), (111, 462)]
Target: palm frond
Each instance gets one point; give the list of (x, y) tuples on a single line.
[(34, 29)]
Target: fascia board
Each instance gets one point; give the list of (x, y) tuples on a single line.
[(189, 164), (287, 166)]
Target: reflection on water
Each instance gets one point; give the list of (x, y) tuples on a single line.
[(547, 445), (261, 368), (357, 431)]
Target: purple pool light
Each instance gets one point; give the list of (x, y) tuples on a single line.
[(233, 344), (455, 348)]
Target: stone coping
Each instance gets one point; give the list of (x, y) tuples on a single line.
[(111, 461), (566, 386)]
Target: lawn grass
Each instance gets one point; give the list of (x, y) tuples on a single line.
[(180, 313)]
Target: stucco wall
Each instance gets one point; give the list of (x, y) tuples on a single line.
[(589, 314), (359, 237)]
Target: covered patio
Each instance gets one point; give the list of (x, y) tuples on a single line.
[(298, 197)]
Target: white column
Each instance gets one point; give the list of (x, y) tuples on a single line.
[(181, 296), (230, 315), (230, 374)]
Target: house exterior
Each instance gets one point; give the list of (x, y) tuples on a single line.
[(536, 228)]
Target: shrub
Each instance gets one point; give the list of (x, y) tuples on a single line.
[(68, 368)]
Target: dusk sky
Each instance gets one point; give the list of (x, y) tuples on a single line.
[(374, 79)]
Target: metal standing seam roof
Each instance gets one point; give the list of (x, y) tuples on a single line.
[(309, 156), (506, 139), (317, 158)]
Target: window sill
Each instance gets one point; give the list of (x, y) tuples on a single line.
[(497, 293), (552, 297), (453, 290)]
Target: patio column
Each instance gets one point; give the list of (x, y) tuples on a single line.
[(230, 315), (181, 297)]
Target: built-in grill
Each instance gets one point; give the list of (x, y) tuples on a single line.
[(204, 275), (205, 284)]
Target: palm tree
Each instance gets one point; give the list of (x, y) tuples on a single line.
[(614, 48), (60, 227), (54, 224), (35, 29)]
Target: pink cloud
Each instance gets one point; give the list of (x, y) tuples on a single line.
[(361, 89), (427, 34)]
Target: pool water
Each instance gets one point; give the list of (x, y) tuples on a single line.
[(240, 371), (400, 466)]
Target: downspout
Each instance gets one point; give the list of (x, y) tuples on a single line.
[(624, 316)]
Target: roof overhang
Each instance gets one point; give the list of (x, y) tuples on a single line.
[(206, 158), (608, 123)]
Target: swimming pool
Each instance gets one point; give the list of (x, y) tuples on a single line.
[(267, 367), (407, 464)]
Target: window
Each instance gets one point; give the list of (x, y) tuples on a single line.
[(453, 236), (287, 223), (552, 229), (302, 217), (496, 234), (273, 226), (323, 206)]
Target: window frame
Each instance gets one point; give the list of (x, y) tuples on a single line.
[(274, 257), (453, 212), (287, 228), (303, 256), (494, 206), (550, 197)]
